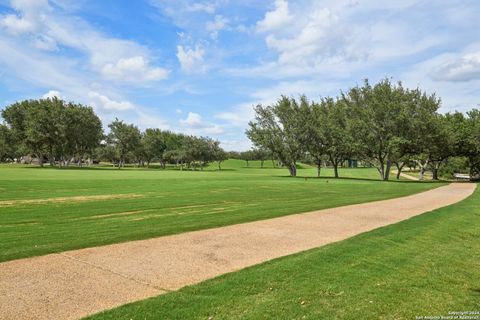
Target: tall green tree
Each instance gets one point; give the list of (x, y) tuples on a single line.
[(312, 136), (153, 144), (5, 142), (84, 131), (470, 142), (277, 128), (125, 138), (338, 137), (379, 115)]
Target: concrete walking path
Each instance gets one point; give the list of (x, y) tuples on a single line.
[(73, 284)]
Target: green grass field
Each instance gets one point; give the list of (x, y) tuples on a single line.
[(51, 210), (425, 266)]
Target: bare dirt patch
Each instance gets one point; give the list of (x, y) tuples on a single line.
[(110, 215), (5, 203)]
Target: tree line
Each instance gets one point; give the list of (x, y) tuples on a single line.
[(385, 125), (61, 133)]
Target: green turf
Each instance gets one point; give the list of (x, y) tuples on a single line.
[(167, 202), (425, 266)]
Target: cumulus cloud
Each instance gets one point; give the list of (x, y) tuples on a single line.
[(278, 18), (147, 120), (133, 69), (47, 28), (218, 24), (103, 102), (30, 15), (238, 116), (194, 123), (464, 68), (16, 25), (52, 94), (191, 60), (193, 120)]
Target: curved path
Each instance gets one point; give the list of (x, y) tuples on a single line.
[(76, 283)]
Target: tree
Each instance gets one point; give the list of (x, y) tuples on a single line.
[(276, 128), (247, 156), (443, 144), (54, 129), (470, 142), (261, 155), (379, 116), (125, 138), (218, 154), (15, 118), (337, 135), (312, 134), (428, 133), (83, 131), (153, 145), (5, 146)]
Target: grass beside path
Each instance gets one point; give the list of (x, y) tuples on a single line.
[(425, 266), (51, 210)]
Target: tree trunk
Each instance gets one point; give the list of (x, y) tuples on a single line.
[(434, 173), (219, 165), (335, 169), (247, 163), (387, 170), (319, 167), (273, 163), (293, 170), (381, 170), (399, 169), (261, 164), (422, 167)]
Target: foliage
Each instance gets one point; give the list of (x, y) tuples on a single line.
[(383, 124), (278, 129), (54, 129)]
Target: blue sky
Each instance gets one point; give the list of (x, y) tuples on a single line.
[(199, 67)]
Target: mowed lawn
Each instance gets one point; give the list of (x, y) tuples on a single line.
[(425, 266), (50, 210)]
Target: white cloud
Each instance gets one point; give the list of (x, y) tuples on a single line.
[(455, 95), (463, 68), (16, 25), (342, 36), (236, 144), (191, 60), (31, 13), (195, 124), (46, 28), (202, 7), (238, 116), (52, 94), (193, 120), (133, 69), (101, 101), (147, 120), (276, 19), (218, 24)]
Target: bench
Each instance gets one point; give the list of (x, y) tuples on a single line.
[(461, 176)]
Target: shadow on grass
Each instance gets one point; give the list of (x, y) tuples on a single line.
[(475, 291), (128, 168), (306, 178)]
